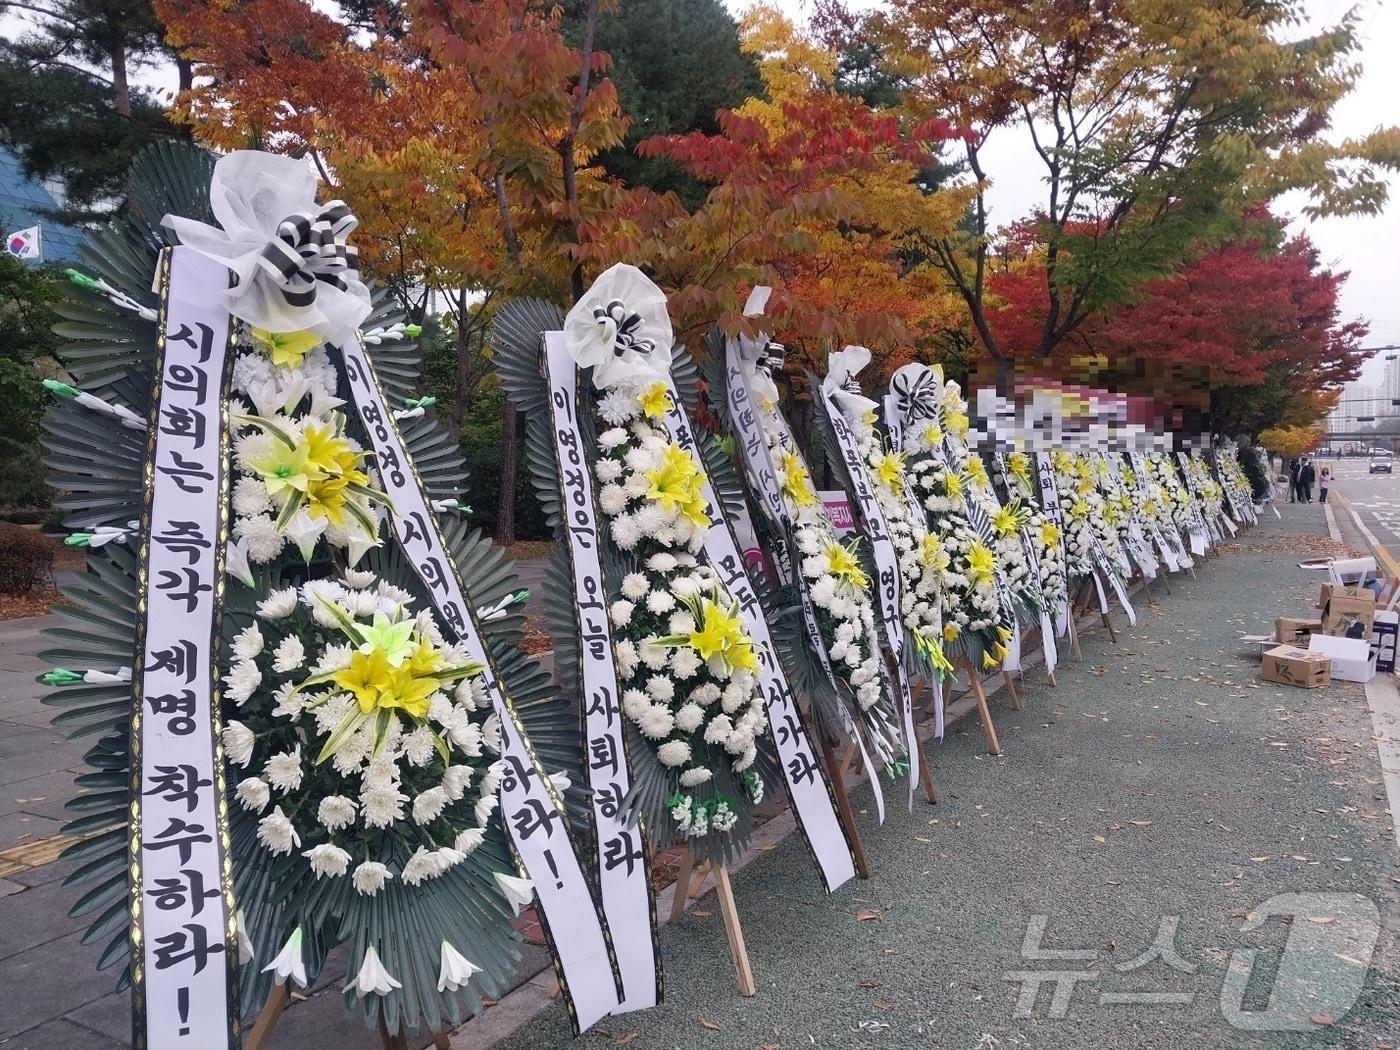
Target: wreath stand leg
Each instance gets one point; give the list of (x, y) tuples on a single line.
[(984, 713), (926, 777), (1074, 637), (724, 892), (843, 805), (1112, 634), (268, 1017), (1147, 590), (1011, 692)]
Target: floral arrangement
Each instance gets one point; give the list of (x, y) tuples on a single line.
[(922, 559), (1107, 516), (835, 577), (298, 475), (358, 748), (1079, 502), (966, 563), (1037, 529), (686, 665), (1119, 510), (359, 734), (1208, 491), (1178, 496)]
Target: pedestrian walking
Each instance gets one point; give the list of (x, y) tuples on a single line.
[(1323, 480), (1293, 480), (1306, 476)]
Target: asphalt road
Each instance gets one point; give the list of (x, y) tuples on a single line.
[(1375, 500)]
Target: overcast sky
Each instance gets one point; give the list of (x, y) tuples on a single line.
[(1366, 247)]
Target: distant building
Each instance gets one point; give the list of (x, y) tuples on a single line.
[(25, 203)]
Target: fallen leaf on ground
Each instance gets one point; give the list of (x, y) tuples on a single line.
[(705, 1022), (867, 915)]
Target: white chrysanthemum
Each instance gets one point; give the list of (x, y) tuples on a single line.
[(289, 656), (283, 771), (654, 656), (634, 586), (719, 730), (607, 470), (369, 877), (241, 680), (250, 497), (625, 532), (279, 604), (656, 722), (685, 662), (254, 794), (689, 717), (705, 694), (456, 780), (635, 704), (660, 602), (660, 688), (276, 833), (417, 746), (613, 500), (673, 753), (328, 860), (335, 812), (382, 804), (238, 743), (428, 806), (661, 563), (263, 539), (695, 777), (247, 643), (625, 655), (610, 439)]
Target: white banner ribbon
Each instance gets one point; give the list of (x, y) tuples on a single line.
[(532, 812), (1050, 504), (624, 874), (758, 465), (813, 804), (184, 965), (887, 570)]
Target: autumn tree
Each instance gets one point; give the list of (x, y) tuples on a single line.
[(1154, 123)]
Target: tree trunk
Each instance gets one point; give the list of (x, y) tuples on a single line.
[(510, 453), (185, 69), (461, 388), (120, 88)]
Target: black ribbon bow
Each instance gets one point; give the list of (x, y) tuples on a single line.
[(916, 396), (625, 324), (310, 249)]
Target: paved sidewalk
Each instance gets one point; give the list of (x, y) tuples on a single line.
[(1160, 779)]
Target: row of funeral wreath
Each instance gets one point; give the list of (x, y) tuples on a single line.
[(311, 720)]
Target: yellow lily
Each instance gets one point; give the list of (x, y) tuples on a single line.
[(841, 562), (286, 349), (797, 482), (655, 401)]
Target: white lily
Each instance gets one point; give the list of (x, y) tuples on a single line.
[(373, 977), (842, 365), (358, 545), (457, 969), (304, 531), (518, 892), (236, 562), (289, 965), (246, 952), (560, 780)]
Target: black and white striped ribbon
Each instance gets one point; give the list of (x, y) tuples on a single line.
[(309, 249)]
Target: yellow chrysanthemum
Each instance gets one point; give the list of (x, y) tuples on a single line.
[(932, 434), (797, 482), (1049, 533), (956, 422), (952, 485), (655, 400), (869, 417), (286, 349), (950, 631)]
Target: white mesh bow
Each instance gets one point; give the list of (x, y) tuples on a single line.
[(841, 385), (621, 330), (294, 268)]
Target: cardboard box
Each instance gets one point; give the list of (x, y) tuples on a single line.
[(1347, 617), (1351, 658), (1289, 665), (1342, 590), (1293, 630)]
